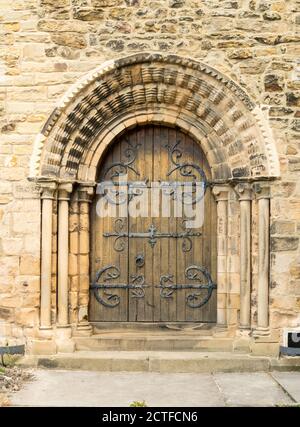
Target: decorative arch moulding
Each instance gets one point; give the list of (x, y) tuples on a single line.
[(163, 89)]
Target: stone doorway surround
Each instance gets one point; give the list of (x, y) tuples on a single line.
[(152, 88)]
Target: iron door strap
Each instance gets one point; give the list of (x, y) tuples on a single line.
[(194, 299), (152, 234), (104, 294)]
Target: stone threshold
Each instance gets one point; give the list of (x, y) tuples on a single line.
[(160, 361)]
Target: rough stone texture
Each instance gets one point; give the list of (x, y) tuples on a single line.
[(47, 45)]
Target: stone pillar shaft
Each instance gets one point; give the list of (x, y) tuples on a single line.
[(46, 254), (263, 196), (244, 192), (63, 254), (84, 198), (221, 195)]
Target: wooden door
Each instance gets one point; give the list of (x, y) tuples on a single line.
[(149, 267)]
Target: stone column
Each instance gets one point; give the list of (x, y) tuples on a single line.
[(64, 191), (262, 191), (85, 194), (221, 195), (47, 196), (244, 191)]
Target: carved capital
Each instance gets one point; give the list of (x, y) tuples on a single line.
[(48, 190), (221, 192), (244, 191), (64, 191), (262, 190), (85, 193)]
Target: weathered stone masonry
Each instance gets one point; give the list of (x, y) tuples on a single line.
[(239, 96)]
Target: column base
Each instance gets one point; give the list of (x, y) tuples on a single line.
[(245, 327), (261, 332), (83, 329), (45, 332), (242, 345), (63, 340)]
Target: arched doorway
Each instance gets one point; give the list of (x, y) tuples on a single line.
[(156, 90), (149, 261)]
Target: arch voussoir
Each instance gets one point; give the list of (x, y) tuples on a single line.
[(144, 88)]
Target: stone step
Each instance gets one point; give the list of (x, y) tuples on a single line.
[(152, 342), (156, 327), (150, 361)]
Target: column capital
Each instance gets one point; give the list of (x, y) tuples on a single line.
[(262, 190), (64, 191), (85, 193), (221, 192), (48, 189), (244, 190)]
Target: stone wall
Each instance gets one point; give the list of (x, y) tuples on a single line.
[(46, 45)]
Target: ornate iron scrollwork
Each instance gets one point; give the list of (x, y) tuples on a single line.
[(121, 192), (104, 291), (194, 299), (152, 235), (189, 170), (117, 169), (119, 243)]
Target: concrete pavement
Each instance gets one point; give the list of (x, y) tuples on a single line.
[(86, 388)]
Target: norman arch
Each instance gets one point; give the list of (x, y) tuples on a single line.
[(149, 89)]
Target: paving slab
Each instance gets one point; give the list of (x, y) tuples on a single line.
[(290, 381), (83, 388), (93, 388), (251, 389)]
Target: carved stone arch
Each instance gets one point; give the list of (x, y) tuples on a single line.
[(155, 89), (144, 88)]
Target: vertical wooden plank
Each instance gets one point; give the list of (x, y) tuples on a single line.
[(148, 250), (157, 222), (168, 226)]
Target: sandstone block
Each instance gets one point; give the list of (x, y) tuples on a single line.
[(271, 16), (88, 14), (240, 54), (73, 265), (55, 3), (65, 346), (283, 227), (12, 246), (295, 272), (42, 347), (284, 243), (29, 265), (34, 51), (31, 245), (107, 3), (28, 283), (294, 164), (6, 313), (74, 40), (11, 300), (273, 83), (293, 99)]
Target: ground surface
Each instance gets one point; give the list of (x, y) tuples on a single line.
[(85, 388), (11, 379)]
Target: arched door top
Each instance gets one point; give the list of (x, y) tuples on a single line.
[(155, 88)]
